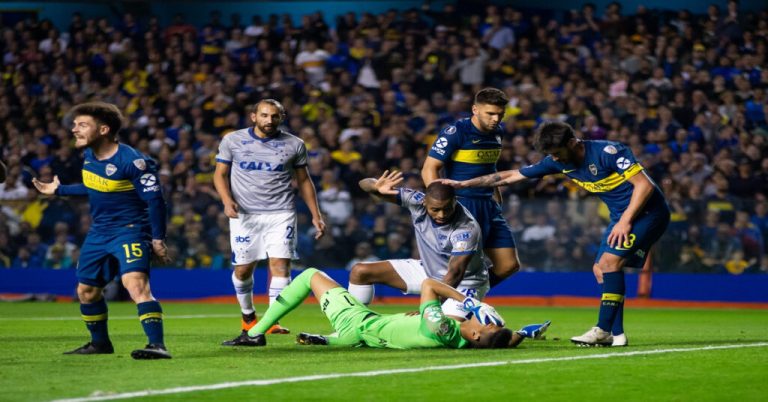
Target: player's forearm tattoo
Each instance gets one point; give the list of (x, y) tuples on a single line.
[(489, 180)]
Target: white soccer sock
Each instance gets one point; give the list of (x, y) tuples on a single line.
[(276, 285), (244, 292), (363, 293)]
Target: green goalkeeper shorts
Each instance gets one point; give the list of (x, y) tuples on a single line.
[(345, 314)]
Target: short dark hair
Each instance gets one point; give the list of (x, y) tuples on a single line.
[(496, 340), (272, 102), (103, 112), (491, 96), (440, 192), (552, 135)]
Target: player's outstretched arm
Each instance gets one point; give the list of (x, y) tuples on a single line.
[(497, 179), (383, 187)]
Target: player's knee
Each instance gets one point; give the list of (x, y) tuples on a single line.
[(88, 294), (361, 274)]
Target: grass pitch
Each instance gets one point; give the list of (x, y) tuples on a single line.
[(674, 355)]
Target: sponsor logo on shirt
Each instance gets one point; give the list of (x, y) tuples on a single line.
[(258, 165), (623, 163)]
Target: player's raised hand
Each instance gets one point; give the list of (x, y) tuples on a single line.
[(319, 225), (160, 252), (620, 235), (385, 185), (230, 209), (46, 188)]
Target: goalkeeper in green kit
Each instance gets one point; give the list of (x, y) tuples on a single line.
[(357, 325)]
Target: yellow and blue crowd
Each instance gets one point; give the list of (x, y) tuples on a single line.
[(687, 92)]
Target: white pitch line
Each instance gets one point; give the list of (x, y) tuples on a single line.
[(120, 317), (317, 377)]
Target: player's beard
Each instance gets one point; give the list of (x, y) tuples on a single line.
[(269, 132)]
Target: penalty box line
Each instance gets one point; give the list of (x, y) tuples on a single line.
[(318, 377)]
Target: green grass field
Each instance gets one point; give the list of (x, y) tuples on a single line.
[(656, 365)]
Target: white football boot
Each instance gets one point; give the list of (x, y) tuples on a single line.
[(594, 337), (620, 340)]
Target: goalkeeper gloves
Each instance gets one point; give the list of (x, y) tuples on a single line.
[(534, 331), (483, 312)]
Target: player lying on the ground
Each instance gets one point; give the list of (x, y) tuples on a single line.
[(357, 325)]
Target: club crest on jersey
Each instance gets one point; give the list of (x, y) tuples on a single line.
[(593, 169), (498, 138), (140, 164), (623, 163), (450, 130), (110, 169), (610, 149)]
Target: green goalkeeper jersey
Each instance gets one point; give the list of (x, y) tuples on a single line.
[(430, 329)]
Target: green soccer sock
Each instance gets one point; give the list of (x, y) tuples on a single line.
[(290, 298)]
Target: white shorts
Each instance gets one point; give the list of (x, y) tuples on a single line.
[(256, 237), (413, 274)]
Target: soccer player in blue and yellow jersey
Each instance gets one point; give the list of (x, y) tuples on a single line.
[(639, 213), (129, 217), (470, 148)]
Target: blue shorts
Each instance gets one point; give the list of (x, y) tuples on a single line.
[(103, 256), (495, 229), (646, 230)]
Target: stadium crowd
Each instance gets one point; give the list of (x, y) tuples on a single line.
[(688, 93)]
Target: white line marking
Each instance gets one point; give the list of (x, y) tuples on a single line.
[(225, 385), (120, 317)]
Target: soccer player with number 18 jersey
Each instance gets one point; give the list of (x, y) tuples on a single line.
[(639, 213)]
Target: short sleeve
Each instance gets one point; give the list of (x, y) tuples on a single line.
[(465, 241), (301, 156), (225, 150), (447, 142), (410, 198), (619, 158), (544, 167), (142, 172)]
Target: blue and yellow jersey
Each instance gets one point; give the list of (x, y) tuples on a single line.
[(119, 188), (606, 171), (466, 153)]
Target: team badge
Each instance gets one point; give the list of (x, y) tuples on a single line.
[(593, 169), (111, 169), (450, 130), (441, 142), (610, 149), (623, 163), (498, 138), (140, 164)]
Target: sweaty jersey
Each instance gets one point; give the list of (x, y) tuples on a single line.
[(466, 153), (437, 243), (430, 329), (261, 169), (606, 171), (118, 190)]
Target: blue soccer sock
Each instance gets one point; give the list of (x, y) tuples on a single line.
[(618, 321), (95, 317), (151, 317), (613, 297)]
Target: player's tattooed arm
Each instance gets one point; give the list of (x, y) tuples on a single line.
[(490, 180)]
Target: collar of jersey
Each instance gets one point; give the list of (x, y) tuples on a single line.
[(256, 137)]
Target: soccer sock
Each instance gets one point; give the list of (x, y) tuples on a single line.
[(291, 297), (276, 285), (618, 321), (363, 293), (151, 317), (613, 297), (244, 292), (95, 317)]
